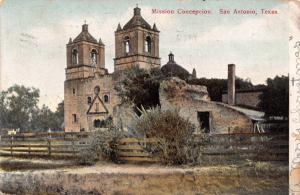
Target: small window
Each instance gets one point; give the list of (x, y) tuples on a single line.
[(148, 44), (97, 107), (97, 90), (89, 100), (75, 56), (74, 118), (126, 44), (74, 91), (94, 56), (97, 123), (106, 99)]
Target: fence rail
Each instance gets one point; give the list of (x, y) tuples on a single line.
[(55, 144), (216, 147)]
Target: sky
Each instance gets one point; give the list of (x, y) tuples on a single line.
[(34, 35)]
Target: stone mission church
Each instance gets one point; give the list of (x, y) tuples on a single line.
[(89, 93), (90, 97)]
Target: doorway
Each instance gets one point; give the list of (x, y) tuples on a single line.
[(203, 118)]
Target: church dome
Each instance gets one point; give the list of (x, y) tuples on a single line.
[(85, 35), (137, 20), (172, 69)]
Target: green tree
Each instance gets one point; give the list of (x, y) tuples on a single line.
[(44, 120), (3, 110), (18, 109), (275, 99), (140, 87), (59, 116), (216, 87), (19, 103)]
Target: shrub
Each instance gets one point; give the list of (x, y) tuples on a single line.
[(102, 145), (176, 144)]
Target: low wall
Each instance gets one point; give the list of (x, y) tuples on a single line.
[(222, 117), (118, 179)]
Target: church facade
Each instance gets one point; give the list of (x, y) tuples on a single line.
[(90, 97), (89, 94)]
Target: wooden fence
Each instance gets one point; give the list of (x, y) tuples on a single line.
[(133, 150), (215, 148), (218, 148), (237, 146), (55, 144)]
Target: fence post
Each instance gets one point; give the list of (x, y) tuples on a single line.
[(11, 145), (29, 147), (49, 145)]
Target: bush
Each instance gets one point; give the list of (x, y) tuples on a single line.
[(102, 145), (176, 144)]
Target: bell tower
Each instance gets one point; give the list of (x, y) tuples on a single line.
[(85, 55), (136, 44)]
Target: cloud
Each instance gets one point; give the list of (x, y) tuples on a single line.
[(260, 29), (294, 17), (40, 58)]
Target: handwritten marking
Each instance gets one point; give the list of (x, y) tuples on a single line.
[(295, 114)]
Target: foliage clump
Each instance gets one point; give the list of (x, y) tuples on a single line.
[(216, 87), (274, 100), (19, 110), (101, 145), (174, 134), (140, 87)]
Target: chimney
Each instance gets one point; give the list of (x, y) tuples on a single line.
[(194, 74), (231, 84)]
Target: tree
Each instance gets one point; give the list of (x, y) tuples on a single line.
[(18, 109), (274, 101), (3, 110), (44, 120), (59, 116), (140, 87), (216, 87), (19, 103)]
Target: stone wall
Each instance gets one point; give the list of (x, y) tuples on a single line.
[(247, 98), (137, 54), (174, 94), (77, 103)]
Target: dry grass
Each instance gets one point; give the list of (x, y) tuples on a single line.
[(18, 164), (154, 179)]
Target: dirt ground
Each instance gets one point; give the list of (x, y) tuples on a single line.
[(106, 178)]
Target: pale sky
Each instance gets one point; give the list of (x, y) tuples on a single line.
[(34, 36)]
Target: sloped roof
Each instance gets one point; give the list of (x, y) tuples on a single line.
[(137, 20), (85, 35), (252, 114), (173, 69)]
